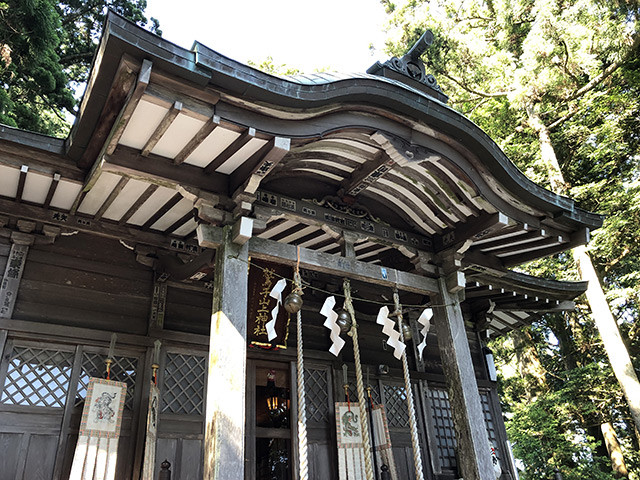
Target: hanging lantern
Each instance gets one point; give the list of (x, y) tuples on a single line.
[(344, 321), (293, 302), (407, 334)]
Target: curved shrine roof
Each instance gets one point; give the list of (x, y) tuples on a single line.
[(163, 129)]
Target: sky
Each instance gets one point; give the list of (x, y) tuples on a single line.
[(327, 34)]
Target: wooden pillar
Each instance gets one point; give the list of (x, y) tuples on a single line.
[(13, 272), (225, 402), (474, 455)]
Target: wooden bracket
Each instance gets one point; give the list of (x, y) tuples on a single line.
[(242, 230)]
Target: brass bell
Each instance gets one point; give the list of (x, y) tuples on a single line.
[(344, 321), (406, 332), (293, 302)]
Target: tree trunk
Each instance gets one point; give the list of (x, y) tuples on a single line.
[(606, 324), (610, 334), (615, 452), (529, 366)]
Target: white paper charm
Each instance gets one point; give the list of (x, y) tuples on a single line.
[(330, 323), (425, 321), (388, 329), (276, 292)]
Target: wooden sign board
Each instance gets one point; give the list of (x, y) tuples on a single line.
[(148, 466), (262, 278)]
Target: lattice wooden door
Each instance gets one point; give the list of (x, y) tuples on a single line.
[(42, 390)]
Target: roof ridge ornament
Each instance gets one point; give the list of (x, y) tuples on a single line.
[(411, 69)]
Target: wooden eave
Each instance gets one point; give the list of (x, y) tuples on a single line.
[(168, 138)]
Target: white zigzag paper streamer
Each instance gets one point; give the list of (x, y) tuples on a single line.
[(388, 329), (276, 292), (330, 323), (425, 321)]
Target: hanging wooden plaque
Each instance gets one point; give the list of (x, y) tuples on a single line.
[(148, 466), (262, 278)]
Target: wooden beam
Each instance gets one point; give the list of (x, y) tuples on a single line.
[(515, 318), (224, 456), (244, 138), (111, 198), (23, 178), (475, 228), (93, 178), (513, 240), (161, 171), (247, 177), (52, 190), (180, 222), (535, 245), (538, 307), (39, 161), (168, 205), (197, 140), (368, 173), (123, 83), (129, 107), (261, 248), (466, 407), (578, 238), (138, 203), (269, 205), (507, 232), (162, 128), (71, 222), (116, 132), (191, 92)]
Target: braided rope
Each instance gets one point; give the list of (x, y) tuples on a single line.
[(302, 403), (362, 399), (407, 385)]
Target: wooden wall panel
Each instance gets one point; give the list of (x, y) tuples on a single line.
[(322, 461), (85, 281), (10, 448), (41, 457), (166, 450), (191, 460), (188, 311)]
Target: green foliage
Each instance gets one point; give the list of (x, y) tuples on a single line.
[(30, 72), (268, 66), (46, 48), (82, 21), (575, 64)]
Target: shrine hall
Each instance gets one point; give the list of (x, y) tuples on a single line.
[(226, 274)]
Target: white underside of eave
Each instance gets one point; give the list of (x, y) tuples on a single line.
[(125, 200)]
